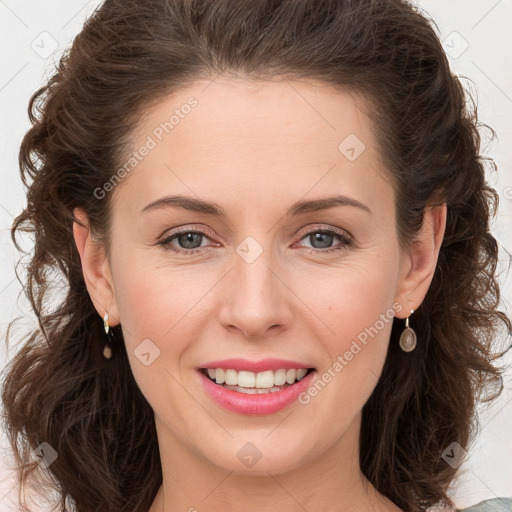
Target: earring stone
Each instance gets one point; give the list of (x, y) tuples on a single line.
[(107, 352), (408, 338)]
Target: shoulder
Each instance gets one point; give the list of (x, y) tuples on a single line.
[(491, 505)]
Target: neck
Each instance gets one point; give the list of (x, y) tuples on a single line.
[(331, 482)]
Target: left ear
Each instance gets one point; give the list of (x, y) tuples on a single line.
[(418, 265)]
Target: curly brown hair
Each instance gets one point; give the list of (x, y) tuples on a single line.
[(131, 53)]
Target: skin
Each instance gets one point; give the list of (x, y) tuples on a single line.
[(255, 148)]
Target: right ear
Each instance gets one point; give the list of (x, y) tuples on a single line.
[(95, 268)]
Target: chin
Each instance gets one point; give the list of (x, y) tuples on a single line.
[(253, 458)]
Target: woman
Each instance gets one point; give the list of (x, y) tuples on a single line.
[(273, 221)]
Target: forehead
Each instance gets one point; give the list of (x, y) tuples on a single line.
[(234, 139)]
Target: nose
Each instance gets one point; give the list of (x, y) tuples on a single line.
[(256, 297)]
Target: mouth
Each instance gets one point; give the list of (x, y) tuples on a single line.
[(247, 393), (255, 384)]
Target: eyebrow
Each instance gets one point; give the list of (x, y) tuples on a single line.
[(215, 210)]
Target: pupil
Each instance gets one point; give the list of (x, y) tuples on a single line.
[(189, 237), (318, 238)]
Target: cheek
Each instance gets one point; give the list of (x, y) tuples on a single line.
[(152, 303), (367, 298), (352, 298), (357, 316), (154, 309), (339, 303), (151, 295), (166, 305), (160, 302)]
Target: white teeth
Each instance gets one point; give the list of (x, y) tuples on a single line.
[(230, 377), (245, 379), (262, 380), (255, 391), (290, 376), (301, 373), (280, 377), (219, 375), (265, 379)]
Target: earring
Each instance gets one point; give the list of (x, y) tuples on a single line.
[(408, 337), (107, 351), (105, 323)]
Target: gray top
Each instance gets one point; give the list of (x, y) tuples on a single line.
[(491, 505)]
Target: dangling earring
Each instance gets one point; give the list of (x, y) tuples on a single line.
[(107, 351), (408, 337), (105, 323)]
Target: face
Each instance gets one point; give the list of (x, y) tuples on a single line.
[(266, 279)]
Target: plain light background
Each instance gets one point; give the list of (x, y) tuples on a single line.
[(476, 37)]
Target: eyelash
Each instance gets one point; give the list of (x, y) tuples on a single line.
[(347, 242)]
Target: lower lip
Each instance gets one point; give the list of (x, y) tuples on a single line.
[(266, 403)]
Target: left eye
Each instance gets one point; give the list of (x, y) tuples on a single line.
[(324, 237), (191, 240)]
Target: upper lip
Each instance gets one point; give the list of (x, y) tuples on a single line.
[(255, 366)]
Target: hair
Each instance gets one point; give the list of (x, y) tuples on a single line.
[(129, 55)]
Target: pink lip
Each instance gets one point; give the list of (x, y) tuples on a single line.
[(255, 366), (244, 403)]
